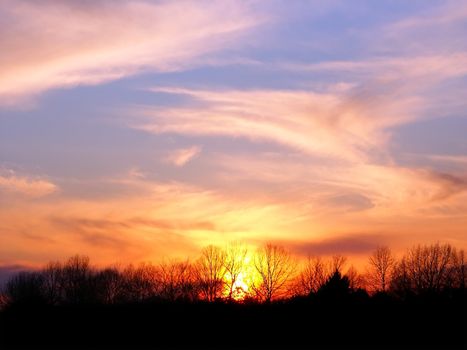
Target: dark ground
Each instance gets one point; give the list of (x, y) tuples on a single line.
[(361, 322)]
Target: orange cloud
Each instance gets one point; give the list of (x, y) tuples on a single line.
[(332, 179), (303, 206), (166, 219), (331, 188)]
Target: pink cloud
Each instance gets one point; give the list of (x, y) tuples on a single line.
[(325, 123), (182, 156), (28, 186), (62, 44)]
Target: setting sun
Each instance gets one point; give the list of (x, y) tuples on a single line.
[(240, 288)]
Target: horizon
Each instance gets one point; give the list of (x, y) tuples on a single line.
[(148, 130)]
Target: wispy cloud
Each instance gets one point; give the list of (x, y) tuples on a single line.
[(182, 156), (306, 153), (443, 158), (29, 186), (61, 44), (429, 66), (317, 123), (322, 190), (445, 16), (351, 120)]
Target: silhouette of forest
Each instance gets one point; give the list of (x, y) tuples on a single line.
[(231, 299)]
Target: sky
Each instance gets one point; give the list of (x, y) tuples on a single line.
[(141, 130)]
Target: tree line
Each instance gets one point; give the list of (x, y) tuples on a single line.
[(231, 273)]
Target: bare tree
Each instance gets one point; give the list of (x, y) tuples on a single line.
[(140, 282), (401, 281), (274, 266), (426, 268), (53, 283), (460, 267), (313, 275), (75, 281), (176, 279), (210, 272), (356, 280), (234, 265), (337, 264), (108, 285), (382, 262)]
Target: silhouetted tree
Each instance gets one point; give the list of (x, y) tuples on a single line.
[(435, 268), (76, 279), (177, 281), (25, 287), (210, 272), (140, 282), (356, 280), (460, 266), (109, 285), (382, 263), (401, 282), (313, 275), (337, 263), (234, 265), (336, 287), (426, 269), (53, 283), (274, 266)]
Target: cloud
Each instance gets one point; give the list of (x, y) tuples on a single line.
[(167, 219), (31, 187), (347, 244), (322, 189), (428, 66), (182, 156), (326, 124), (450, 185), (436, 28), (351, 120), (62, 44), (174, 219), (321, 165), (351, 202), (444, 158), (341, 130)]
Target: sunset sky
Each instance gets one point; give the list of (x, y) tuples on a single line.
[(136, 130)]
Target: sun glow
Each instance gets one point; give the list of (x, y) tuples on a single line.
[(240, 288), (246, 277)]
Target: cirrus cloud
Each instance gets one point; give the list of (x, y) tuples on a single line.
[(60, 44), (316, 123)]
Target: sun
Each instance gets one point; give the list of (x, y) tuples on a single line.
[(240, 288), (242, 284)]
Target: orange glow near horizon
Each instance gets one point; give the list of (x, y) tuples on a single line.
[(166, 126)]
